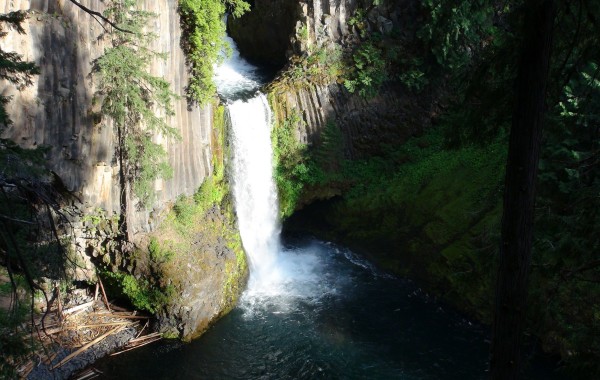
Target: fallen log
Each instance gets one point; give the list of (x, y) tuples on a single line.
[(107, 324), (104, 294), (145, 337), (83, 306), (90, 373), (136, 346), (122, 315)]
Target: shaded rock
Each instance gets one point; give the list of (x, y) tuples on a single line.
[(368, 125), (263, 34)]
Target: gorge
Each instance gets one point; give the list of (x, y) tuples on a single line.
[(312, 309), (385, 126)]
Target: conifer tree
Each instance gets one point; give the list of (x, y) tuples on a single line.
[(133, 100)]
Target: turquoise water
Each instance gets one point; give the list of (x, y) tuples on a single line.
[(333, 316)]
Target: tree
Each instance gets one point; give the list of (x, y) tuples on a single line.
[(519, 195), (131, 96)]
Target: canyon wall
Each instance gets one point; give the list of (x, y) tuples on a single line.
[(368, 125), (57, 111), (60, 111)]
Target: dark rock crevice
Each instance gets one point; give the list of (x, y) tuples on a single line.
[(263, 34)]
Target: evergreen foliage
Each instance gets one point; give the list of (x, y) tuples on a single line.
[(136, 102), (202, 41)]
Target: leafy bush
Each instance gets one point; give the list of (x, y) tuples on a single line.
[(290, 163), (158, 254), (202, 41), (368, 71), (456, 29)]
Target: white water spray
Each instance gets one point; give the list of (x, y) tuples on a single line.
[(253, 186), (236, 76), (278, 278)]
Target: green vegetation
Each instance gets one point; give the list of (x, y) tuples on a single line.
[(290, 163), (431, 208), (447, 201), (14, 345), (202, 38), (205, 217), (130, 100), (143, 293), (188, 237), (368, 71), (324, 65), (136, 104), (298, 169), (455, 32), (361, 66)]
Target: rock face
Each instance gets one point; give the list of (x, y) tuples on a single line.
[(367, 125), (210, 288), (263, 35), (275, 29), (299, 27), (56, 111)]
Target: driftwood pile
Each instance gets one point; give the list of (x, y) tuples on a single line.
[(80, 328)]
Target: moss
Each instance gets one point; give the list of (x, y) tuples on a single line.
[(425, 211), (207, 216), (143, 293), (234, 278), (195, 252)]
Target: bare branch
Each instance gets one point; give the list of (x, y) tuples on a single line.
[(99, 15), (16, 220)]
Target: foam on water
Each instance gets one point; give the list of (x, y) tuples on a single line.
[(235, 77), (298, 277)]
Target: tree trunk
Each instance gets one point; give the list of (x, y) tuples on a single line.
[(519, 193), (124, 187)]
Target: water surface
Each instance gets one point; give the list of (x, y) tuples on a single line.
[(328, 315)]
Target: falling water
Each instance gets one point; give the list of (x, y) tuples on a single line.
[(312, 310), (253, 186)]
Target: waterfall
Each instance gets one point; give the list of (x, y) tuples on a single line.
[(254, 189), (278, 277)]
